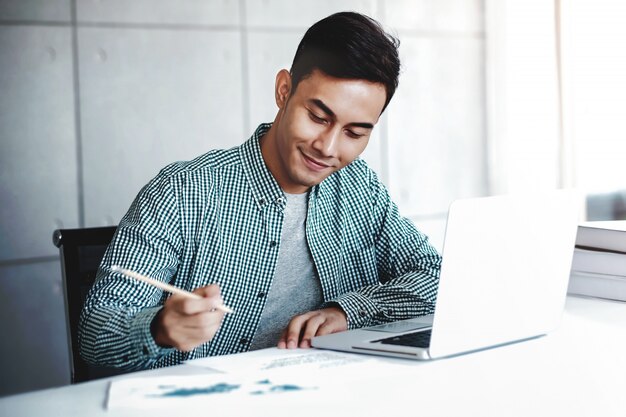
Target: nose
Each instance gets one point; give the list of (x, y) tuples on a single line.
[(327, 142)]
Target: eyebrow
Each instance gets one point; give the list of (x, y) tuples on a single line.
[(319, 103)]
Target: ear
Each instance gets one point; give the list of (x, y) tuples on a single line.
[(283, 88)]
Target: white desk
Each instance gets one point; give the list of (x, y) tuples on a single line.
[(578, 370)]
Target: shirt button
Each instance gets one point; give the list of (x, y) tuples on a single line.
[(262, 202), (145, 350), (272, 243), (261, 294), (362, 313), (243, 341), (280, 200)]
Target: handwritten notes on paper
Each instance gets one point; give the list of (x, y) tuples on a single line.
[(282, 360)]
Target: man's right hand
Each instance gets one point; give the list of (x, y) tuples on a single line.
[(185, 323)]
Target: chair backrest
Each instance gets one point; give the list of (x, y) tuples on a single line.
[(81, 251)]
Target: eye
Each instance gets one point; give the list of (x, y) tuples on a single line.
[(316, 118), (354, 135)]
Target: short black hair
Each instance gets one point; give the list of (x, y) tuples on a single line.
[(348, 45)]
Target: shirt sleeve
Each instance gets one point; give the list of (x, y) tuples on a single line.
[(408, 269), (115, 322)]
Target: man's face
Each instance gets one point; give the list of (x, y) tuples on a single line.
[(320, 128)]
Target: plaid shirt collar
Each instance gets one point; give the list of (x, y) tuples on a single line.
[(264, 186)]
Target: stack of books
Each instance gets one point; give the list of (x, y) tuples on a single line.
[(599, 264)]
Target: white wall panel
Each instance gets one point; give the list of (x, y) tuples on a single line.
[(436, 127), (40, 10), (434, 228), (149, 98), (37, 139), (268, 53), (435, 15), (190, 12), (33, 352), (523, 101), (594, 51), (300, 14)]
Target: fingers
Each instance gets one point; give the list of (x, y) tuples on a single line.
[(312, 328), (186, 323), (187, 332), (208, 291), (302, 328), (211, 299), (291, 335)]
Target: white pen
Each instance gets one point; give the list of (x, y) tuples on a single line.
[(164, 286)]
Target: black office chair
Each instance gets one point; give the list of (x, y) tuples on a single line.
[(81, 251)]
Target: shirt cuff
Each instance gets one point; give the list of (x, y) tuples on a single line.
[(144, 344), (359, 310)]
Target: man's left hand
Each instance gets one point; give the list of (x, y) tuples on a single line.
[(302, 328)]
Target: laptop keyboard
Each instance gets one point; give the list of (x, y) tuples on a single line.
[(419, 339)]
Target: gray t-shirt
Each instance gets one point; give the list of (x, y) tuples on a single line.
[(296, 289)]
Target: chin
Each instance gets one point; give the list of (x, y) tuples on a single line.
[(309, 182)]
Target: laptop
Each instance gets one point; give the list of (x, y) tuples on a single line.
[(504, 276)]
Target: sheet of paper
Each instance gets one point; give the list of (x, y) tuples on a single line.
[(258, 377), (280, 360)]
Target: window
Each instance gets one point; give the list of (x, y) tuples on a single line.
[(593, 57)]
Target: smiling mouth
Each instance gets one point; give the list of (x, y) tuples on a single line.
[(314, 164)]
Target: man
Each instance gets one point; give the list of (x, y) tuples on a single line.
[(290, 229)]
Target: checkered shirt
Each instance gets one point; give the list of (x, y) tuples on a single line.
[(217, 220)]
